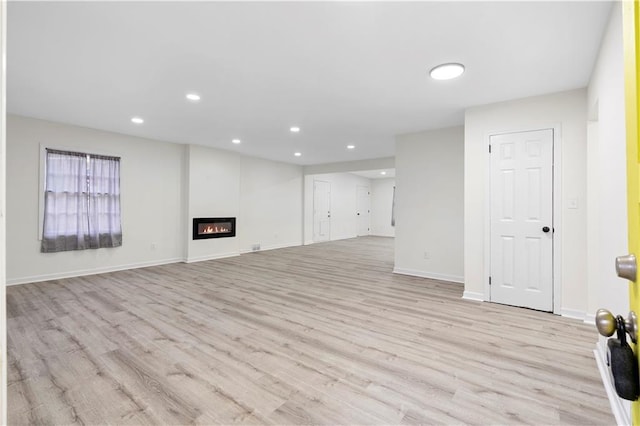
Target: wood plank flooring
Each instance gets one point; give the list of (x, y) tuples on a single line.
[(321, 334)]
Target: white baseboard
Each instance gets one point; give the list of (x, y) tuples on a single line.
[(343, 237), (620, 408), (273, 247), (573, 313), (94, 271), (590, 319), (211, 257), (308, 242), (426, 274), (472, 295)]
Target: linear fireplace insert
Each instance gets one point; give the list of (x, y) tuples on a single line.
[(213, 227)]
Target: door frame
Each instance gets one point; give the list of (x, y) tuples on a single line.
[(631, 52), (557, 213), (313, 211)]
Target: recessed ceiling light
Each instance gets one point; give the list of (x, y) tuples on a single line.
[(383, 173), (297, 154), (446, 71), (295, 129), (193, 97), (137, 120), (236, 141), (351, 146)]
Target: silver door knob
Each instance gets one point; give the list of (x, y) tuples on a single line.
[(606, 324), (626, 267)]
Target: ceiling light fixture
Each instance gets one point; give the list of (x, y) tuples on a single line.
[(236, 141), (297, 154), (351, 146), (383, 173), (137, 120), (446, 71), (193, 97), (295, 129)]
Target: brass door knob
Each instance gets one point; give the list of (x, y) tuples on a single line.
[(606, 324)]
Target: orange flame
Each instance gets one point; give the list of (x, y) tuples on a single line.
[(214, 230)]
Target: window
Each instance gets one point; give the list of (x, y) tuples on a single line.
[(81, 201)]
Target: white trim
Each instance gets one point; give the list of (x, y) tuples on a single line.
[(390, 235), (573, 313), (343, 237), (487, 219), (274, 247), (212, 257), (473, 295), (557, 210), (557, 218), (590, 319), (83, 272), (431, 275), (620, 408), (306, 243)]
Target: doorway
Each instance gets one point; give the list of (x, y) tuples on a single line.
[(363, 210), (521, 219), (321, 211)]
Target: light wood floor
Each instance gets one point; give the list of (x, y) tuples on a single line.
[(322, 334)]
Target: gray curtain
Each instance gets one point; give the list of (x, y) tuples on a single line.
[(393, 208), (81, 202)]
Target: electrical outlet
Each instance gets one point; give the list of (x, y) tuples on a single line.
[(154, 246), (255, 247), (427, 255)]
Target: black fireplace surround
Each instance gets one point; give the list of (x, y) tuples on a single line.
[(213, 227)]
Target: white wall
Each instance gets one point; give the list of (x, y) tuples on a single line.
[(606, 190), (163, 186), (270, 204), (343, 204), (351, 166), (214, 191), (381, 201), (429, 204), (151, 174), (606, 156), (567, 111)]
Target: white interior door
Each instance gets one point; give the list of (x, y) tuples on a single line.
[(522, 219), (321, 211), (363, 210)]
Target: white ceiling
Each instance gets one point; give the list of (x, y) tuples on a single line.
[(345, 72)]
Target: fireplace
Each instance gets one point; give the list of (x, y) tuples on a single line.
[(213, 227)]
